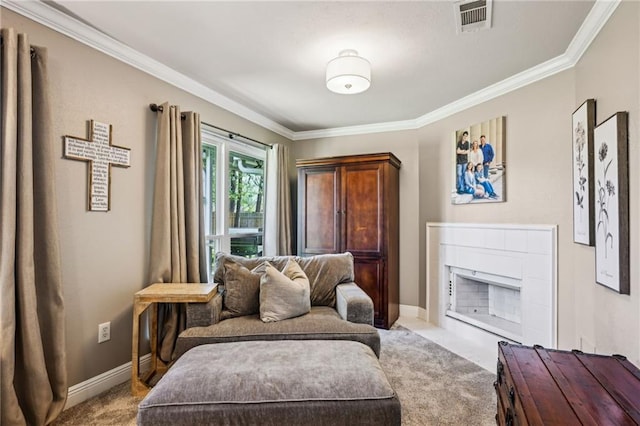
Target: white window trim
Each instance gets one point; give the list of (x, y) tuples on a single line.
[(223, 146)]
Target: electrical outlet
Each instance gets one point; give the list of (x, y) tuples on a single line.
[(104, 332)]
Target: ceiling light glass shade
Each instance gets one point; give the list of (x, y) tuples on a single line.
[(348, 73)]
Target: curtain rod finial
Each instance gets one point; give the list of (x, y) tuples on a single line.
[(155, 107)]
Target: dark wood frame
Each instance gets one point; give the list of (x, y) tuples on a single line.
[(621, 195), (590, 105)]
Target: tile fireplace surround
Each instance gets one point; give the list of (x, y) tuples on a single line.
[(491, 282)]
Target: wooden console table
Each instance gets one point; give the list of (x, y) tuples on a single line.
[(152, 295)]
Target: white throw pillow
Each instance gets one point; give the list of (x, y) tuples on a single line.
[(284, 294)]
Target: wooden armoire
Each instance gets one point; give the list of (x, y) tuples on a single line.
[(352, 204)]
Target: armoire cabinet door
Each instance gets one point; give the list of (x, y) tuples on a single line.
[(319, 218), (351, 203), (362, 209)]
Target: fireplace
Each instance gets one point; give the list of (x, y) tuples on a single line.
[(493, 280), (486, 301)]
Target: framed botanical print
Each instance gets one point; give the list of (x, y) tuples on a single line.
[(583, 122), (611, 175)]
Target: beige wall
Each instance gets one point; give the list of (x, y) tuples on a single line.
[(539, 182), (538, 173), (105, 255), (610, 73)]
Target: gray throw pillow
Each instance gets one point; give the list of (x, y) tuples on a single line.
[(284, 294), (325, 272), (242, 289), (222, 258)]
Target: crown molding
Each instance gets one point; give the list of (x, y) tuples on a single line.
[(593, 23), (546, 69), (390, 126), (524, 78), (58, 21), (79, 31)]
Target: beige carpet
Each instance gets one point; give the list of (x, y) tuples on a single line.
[(435, 387)]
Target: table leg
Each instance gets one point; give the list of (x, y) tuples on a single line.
[(138, 388), (153, 338)]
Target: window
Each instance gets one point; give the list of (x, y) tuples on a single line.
[(233, 196)]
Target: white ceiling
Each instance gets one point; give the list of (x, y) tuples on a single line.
[(271, 56)]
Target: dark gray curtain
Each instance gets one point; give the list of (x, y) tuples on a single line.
[(177, 228), (33, 366)]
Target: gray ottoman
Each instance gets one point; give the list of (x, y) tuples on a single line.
[(288, 382)]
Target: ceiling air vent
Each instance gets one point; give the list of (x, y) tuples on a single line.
[(472, 15)]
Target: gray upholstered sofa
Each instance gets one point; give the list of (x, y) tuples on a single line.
[(340, 310)]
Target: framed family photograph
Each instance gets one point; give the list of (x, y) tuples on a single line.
[(611, 174), (478, 171), (583, 121)]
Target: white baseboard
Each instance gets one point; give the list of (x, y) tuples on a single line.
[(411, 311), (103, 382)]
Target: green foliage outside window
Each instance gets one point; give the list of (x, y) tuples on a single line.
[(246, 191)]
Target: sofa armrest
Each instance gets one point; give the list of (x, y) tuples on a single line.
[(204, 314), (353, 304)]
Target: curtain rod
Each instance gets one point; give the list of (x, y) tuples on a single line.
[(155, 108)]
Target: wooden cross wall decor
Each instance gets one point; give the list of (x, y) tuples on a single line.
[(100, 155)]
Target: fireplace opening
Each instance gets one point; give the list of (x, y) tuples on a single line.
[(487, 301)]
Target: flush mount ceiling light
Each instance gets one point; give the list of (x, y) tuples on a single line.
[(348, 73)]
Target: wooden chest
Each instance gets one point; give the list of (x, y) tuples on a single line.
[(538, 386)]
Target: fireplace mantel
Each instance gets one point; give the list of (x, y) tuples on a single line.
[(526, 254)]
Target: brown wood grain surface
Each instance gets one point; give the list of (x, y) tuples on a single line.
[(351, 204), (538, 386)]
